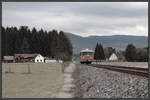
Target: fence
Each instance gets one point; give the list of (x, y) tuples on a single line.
[(30, 67)]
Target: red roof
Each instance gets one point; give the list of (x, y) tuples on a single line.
[(9, 58), (26, 55)]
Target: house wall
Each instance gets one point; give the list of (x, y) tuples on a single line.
[(113, 57), (39, 58), (50, 61)]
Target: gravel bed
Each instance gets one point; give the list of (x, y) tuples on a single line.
[(92, 82)]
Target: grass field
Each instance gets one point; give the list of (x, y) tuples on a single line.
[(43, 81)]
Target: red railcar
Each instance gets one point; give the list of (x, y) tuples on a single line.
[(86, 56)]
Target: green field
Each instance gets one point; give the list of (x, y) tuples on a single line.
[(43, 80)]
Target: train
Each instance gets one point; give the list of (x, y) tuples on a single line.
[(86, 56)]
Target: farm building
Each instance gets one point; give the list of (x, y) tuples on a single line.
[(51, 60), (28, 58), (8, 58), (39, 58), (113, 57), (25, 57)]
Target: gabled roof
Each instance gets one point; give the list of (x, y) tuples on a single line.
[(113, 57), (26, 55), (8, 58)]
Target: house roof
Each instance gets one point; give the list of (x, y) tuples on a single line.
[(8, 58), (26, 55)]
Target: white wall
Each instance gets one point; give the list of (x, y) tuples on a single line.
[(113, 57), (50, 61), (39, 58)]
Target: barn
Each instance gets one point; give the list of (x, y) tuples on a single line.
[(113, 57), (25, 57)]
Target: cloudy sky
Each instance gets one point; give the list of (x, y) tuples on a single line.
[(80, 18)]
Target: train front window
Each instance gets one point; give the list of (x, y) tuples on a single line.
[(87, 53)]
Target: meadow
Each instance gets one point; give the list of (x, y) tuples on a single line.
[(31, 80)]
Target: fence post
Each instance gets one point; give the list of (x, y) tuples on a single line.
[(9, 69), (62, 67), (29, 71)]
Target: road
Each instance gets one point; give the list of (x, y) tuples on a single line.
[(92, 82)]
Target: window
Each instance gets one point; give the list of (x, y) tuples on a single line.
[(37, 60), (87, 53), (41, 60)]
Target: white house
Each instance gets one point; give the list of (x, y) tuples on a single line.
[(39, 58), (113, 57)]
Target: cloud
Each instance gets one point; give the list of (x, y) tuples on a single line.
[(80, 18)]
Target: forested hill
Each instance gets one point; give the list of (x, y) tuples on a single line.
[(116, 41), (48, 43)]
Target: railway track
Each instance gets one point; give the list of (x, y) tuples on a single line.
[(130, 70)]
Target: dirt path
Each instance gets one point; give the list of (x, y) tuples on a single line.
[(67, 89)]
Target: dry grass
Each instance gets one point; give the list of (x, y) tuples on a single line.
[(44, 80)]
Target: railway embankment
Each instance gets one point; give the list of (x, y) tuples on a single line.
[(93, 82), (125, 64)]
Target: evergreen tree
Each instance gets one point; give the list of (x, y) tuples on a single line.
[(141, 54), (96, 52), (25, 46), (34, 41), (130, 53), (54, 44), (24, 40), (3, 42), (64, 46), (99, 52)]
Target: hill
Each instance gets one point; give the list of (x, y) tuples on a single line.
[(116, 41)]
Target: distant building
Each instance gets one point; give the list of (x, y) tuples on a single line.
[(113, 57), (50, 60), (8, 58), (39, 58), (25, 57)]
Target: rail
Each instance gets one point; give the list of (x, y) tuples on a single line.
[(130, 70)]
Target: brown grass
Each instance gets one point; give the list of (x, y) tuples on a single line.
[(44, 81)]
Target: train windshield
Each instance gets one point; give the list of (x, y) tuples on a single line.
[(87, 53)]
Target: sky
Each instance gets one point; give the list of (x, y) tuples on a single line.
[(80, 18)]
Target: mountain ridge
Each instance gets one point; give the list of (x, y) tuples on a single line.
[(119, 42)]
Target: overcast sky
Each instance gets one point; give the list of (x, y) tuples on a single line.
[(84, 19)]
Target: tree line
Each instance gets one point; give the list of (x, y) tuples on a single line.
[(131, 53), (52, 44)]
